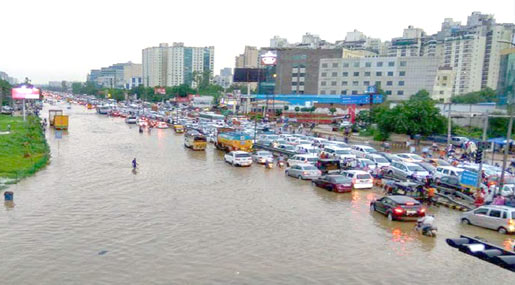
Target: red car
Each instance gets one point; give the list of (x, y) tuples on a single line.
[(335, 183), (398, 207)]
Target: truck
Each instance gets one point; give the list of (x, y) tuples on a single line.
[(228, 139), (61, 122), (52, 114)]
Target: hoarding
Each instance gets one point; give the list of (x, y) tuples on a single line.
[(468, 178), (160, 90), (249, 75), (269, 58), (25, 92)]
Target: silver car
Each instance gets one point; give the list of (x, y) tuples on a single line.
[(303, 171), (403, 170), (499, 218)]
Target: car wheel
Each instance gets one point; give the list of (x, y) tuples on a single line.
[(465, 221), (390, 173), (372, 207), (299, 177), (502, 231), (390, 216)]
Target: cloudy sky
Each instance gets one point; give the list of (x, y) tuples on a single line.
[(64, 39)]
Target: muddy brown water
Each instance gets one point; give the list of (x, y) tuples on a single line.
[(188, 218)]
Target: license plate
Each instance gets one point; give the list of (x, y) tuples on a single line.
[(411, 212), (363, 181)]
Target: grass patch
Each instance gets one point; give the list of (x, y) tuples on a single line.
[(25, 150)]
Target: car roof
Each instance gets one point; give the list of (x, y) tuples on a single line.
[(239, 152), (499, 207), (402, 199), (356, 171), (305, 164), (306, 155), (452, 168)]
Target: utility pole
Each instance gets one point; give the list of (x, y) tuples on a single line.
[(506, 147), (449, 125), (481, 148)]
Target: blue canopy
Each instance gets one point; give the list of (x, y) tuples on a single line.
[(499, 141)]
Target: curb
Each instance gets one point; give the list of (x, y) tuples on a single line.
[(452, 206)]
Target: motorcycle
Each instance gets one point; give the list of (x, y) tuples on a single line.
[(427, 230), (280, 163), (269, 164)]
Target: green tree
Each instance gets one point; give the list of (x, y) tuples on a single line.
[(286, 107), (5, 90), (484, 95), (421, 95), (332, 110), (297, 109)]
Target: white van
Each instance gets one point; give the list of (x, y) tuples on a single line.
[(302, 159), (337, 152)]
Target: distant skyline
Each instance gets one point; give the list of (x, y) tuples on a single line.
[(57, 40)]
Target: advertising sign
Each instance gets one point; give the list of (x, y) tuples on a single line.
[(25, 92), (160, 90), (269, 58), (352, 113), (468, 178)]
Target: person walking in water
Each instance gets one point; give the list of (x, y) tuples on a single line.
[(134, 164)]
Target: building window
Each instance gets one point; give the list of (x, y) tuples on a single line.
[(367, 73), (379, 64), (324, 65), (334, 74), (296, 74), (323, 83), (345, 74), (388, 92), (368, 64), (322, 92), (378, 83), (400, 92), (301, 83), (402, 73), (390, 73), (366, 83), (401, 83), (294, 83), (354, 92), (324, 74), (302, 74), (356, 73), (345, 64), (356, 64), (441, 92), (333, 92), (335, 64), (333, 83), (391, 63), (379, 73), (344, 83), (389, 83), (444, 77), (402, 63), (355, 83)]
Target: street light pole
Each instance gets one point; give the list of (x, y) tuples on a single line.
[(506, 148)]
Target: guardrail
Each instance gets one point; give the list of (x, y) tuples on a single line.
[(275, 150)]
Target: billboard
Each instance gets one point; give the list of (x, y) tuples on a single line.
[(249, 75), (160, 90), (25, 92), (269, 58)]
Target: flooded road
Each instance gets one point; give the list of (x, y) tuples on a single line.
[(187, 217)]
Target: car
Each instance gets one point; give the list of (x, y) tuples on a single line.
[(334, 182), (405, 170), (428, 167), (499, 218), (410, 157), (303, 171), (399, 207), (302, 159), (362, 150), (286, 147), (261, 156), (360, 179), (363, 163), (238, 158), (447, 171), (378, 159), (6, 110), (306, 148), (389, 156), (337, 152), (437, 162), (458, 141), (508, 190)]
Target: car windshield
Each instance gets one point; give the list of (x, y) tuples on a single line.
[(367, 162), (415, 168), (368, 150), (442, 162), (417, 157), (381, 160), (342, 151), (340, 179), (312, 159), (309, 167), (363, 176), (265, 153), (242, 155)]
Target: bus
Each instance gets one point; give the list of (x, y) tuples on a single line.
[(211, 117), (195, 140)]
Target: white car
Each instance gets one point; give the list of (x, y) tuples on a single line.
[(360, 179), (238, 158), (337, 152), (362, 150), (303, 171), (498, 218), (261, 156), (378, 159), (447, 171), (410, 157), (302, 159), (306, 148)]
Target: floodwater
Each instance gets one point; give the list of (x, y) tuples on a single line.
[(188, 218)]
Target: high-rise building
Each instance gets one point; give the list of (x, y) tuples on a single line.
[(175, 65), (506, 83), (278, 42), (116, 75), (225, 78), (248, 59), (410, 44)]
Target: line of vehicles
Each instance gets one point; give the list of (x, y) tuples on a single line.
[(333, 165)]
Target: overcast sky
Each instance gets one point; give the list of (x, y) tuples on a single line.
[(62, 40)]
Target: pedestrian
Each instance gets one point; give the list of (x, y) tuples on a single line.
[(134, 164)]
